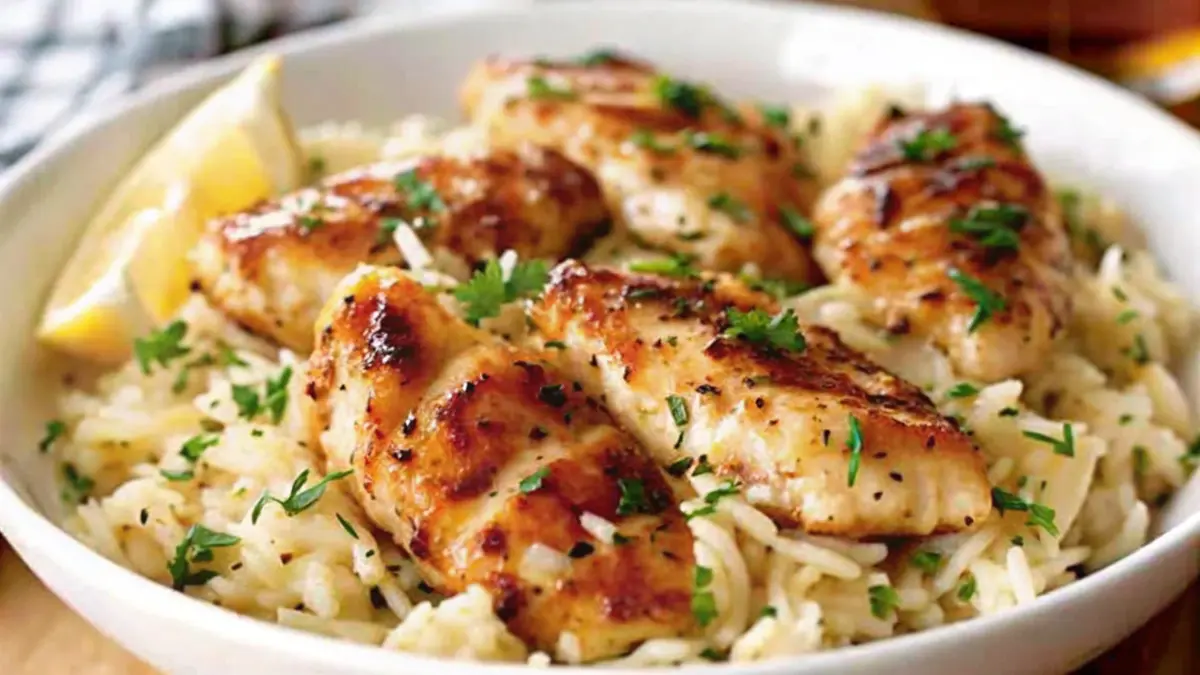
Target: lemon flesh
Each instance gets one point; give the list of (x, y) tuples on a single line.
[(129, 270)]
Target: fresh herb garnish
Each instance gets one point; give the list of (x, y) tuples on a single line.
[(421, 194), (799, 225), (678, 265), (725, 489), (1126, 316), (1040, 515), (768, 612), (54, 430), (966, 590), (927, 561), (488, 290), (196, 546), (680, 466), (987, 301), (534, 481), (644, 138), (1138, 351), (730, 206), (76, 486), (687, 99), (777, 116), (883, 599), (633, 497), (346, 526), (927, 144), (993, 226), (703, 467), (298, 498), (539, 88), (679, 411), (712, 144), (854, 443), (161, 347), (962, 390), (1065, 447), (704, 604), (781, 331), (780, 289), (597, 57), (1008, 134)]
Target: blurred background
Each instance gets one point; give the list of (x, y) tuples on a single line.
[(63, 58)]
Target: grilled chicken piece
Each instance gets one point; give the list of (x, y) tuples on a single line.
[(778, 420), (476, 456), (936, 195), (681, 170), (272, 268)]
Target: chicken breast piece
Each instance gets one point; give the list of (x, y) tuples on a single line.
[(776, 419), (481, 459), (272, 268), (682, 170), (946, 225)]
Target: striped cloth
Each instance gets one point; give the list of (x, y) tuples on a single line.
[(59, 57)]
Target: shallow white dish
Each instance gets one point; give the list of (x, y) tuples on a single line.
[(1079, 127)]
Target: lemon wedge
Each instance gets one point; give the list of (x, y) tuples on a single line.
[(129, 271)]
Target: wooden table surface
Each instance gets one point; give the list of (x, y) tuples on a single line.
[(39, 635)]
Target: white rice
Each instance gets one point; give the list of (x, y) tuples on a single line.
[(778, 593)]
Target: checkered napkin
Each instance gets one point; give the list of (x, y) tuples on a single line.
[(61, 57)]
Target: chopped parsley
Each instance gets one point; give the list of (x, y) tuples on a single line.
[(534, 481), (730, 206), (178, 476), (777, 116), (346, 526), (1040, 515), (620, 539), (884, 600), (309, 222), (768, 612), (1007, 134), (687, 99), (597, 57), (987, 301), (298, 498), (703, 467), (1008, 412), (927, 144), (196, 546), (1065, 447), (1126, 316), (962, 390), (161, 347), (854, 443), (966, 590), (1191, 457), (678, 265), (704, 604), (710, 654), (799, 225), (76, 486), (712, 144), (780, 289), (725, 489), (316, 166), (680, 466), (54, 430), (634, 498), (643, 138), (488, 290), (538, 88), (556, 344), (927, 561), (274, 400), (781, 331), (1138, 351), (1141, 461), (679, 411), (1125, 419), (993, 226)]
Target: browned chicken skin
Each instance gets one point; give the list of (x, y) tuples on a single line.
[(965, 201), (776, 420), (681, 170), (470, 452), (272, 268)]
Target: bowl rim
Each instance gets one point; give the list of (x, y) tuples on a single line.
[(28, 529)]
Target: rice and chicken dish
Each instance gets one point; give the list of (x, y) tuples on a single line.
[(622, 372)]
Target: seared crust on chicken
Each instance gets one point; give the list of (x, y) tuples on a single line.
[(683, 171), (272, 268), (775, 420), (952, 190), (473, 454)]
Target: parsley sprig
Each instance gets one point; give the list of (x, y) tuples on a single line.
[(197, 546), (727, 488), (1065, 446), (987, 301), (883, 599), (54, 430), (677, 265), (161, 347), (713, 144), (488, 290), (298, 499), (704, 603), (686, 98), (1040, 515), (781, 331), (731, 206), (799, 225), (273, 401), (994, 226), (539, 88), (927, 144)]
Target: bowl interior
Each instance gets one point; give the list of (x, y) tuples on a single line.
[(1079, 130)]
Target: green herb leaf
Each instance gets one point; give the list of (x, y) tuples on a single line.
[(1039, 514), (276, 399), (703, 467), (993, 226), (799, 225), (780, 289), (346, 526), (680, 466), (854, 443), (298, 499), (884, 600), (76, 486), (178, 476), (781, 331), (927, 144), (54, 430), (987, 301), (1138, 351), (643, 138), (161, 347), (197, 546), (679, 411), (227, 357), (678, 265), (704, 604), (927, 561), (534, 481), (420, 194), (538, 88), (194, 447), (309, 222), (777, 116), (731, 206), (768, 612), (1008, 134), (1065, 447), (712, 144), (962, 390), (966, 590), (687, 99), (488, 290), (633, 496), (246, 400)]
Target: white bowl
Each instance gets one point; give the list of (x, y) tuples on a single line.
[(1079, 127)]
